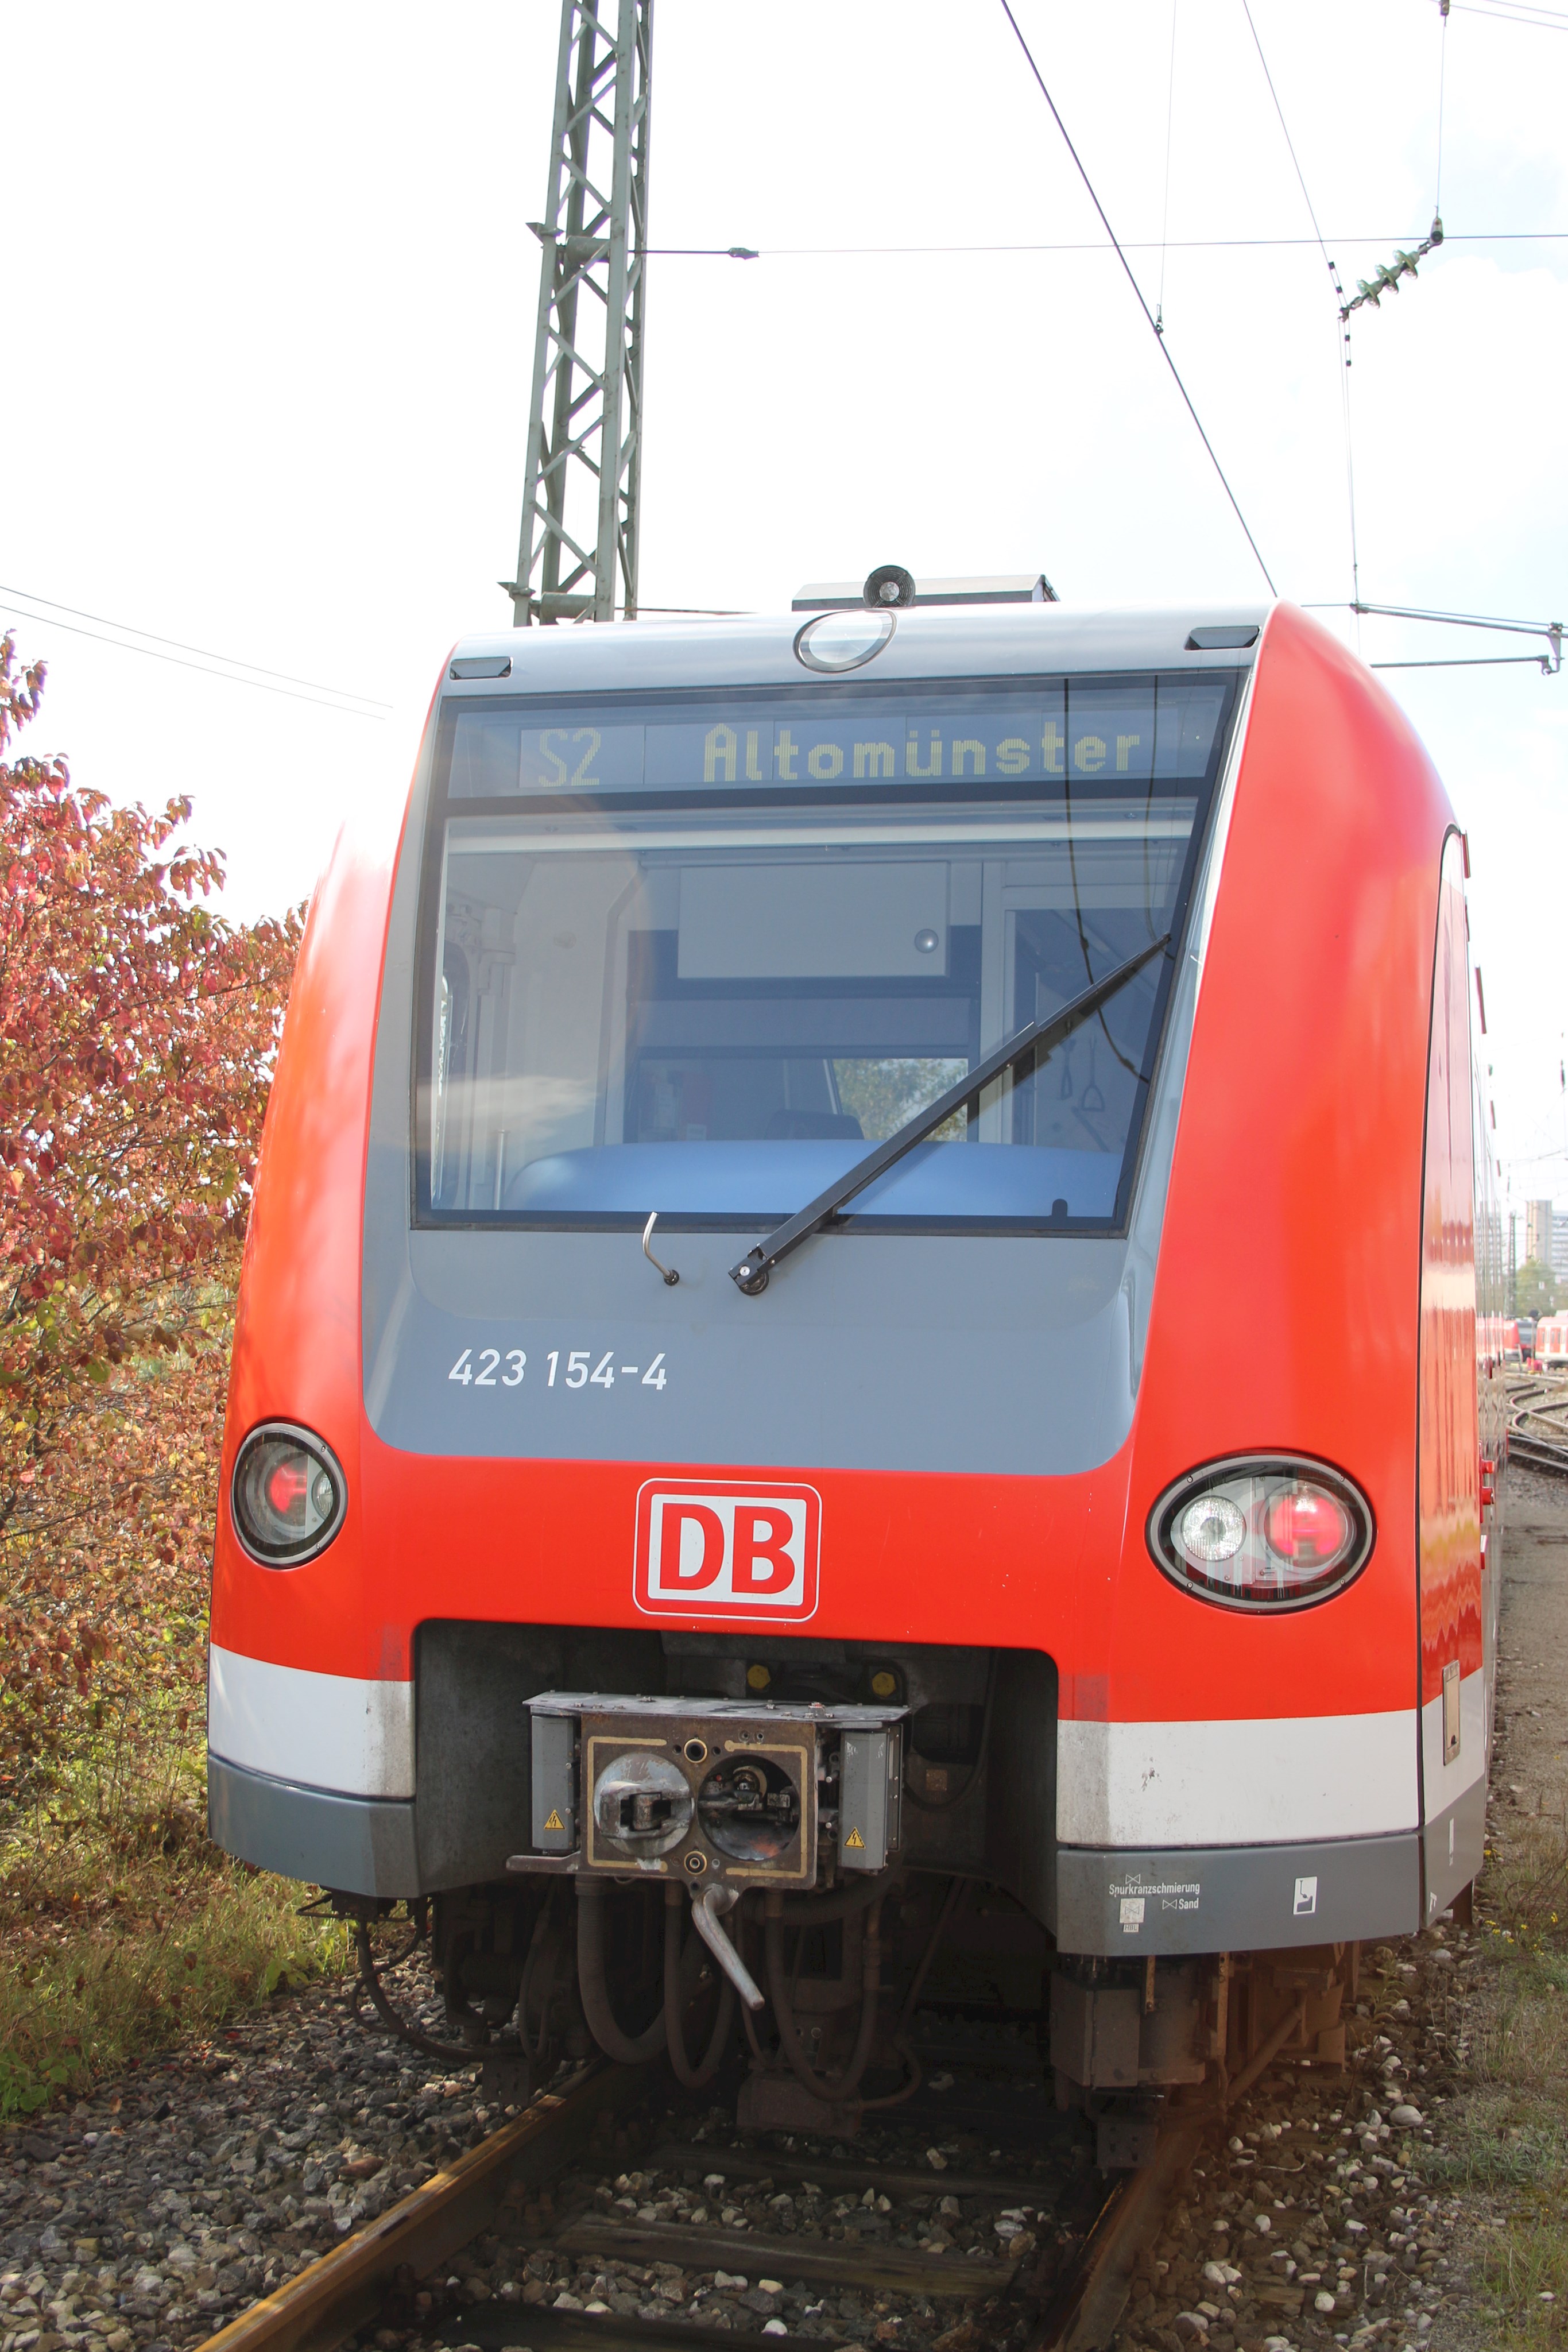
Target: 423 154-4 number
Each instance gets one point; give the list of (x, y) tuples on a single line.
[(485, 1372)]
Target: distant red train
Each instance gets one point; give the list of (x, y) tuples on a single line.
[(739, 1472), (1550, 1345)]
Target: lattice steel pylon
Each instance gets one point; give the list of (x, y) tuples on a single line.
[(577, 554)]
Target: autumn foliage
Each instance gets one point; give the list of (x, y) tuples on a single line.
[(137, 1034)]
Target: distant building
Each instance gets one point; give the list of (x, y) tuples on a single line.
[(1559, 1259), (1540, 1233)]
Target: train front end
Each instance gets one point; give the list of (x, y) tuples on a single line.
[(859, 1594)]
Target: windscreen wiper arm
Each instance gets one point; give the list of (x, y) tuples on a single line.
[(1036, 1036)]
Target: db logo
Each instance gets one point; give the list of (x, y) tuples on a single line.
[(727, 1551)]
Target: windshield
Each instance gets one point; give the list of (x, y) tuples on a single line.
[(693, 958)]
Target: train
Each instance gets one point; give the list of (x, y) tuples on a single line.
[(1550, 1345), (741, 1506)]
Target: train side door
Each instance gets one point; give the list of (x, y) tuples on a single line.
[(1497, 1353), (1453, 1647)]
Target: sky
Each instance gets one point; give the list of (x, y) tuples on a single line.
[(269, 337)]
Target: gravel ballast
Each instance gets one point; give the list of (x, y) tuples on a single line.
[(155, 2209), (159, 2207), (1310, 2220)]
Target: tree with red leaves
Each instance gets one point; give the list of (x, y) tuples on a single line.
[(136, 1036)]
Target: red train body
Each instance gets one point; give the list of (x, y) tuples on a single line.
[(966, 1433)]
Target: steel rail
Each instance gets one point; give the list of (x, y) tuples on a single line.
[(1083, 2312), (345, 2288), (1538, 1454), (1544, 1447)]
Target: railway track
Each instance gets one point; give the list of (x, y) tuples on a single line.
[(1538, 1426), (620, 2212), (1540, 1453)]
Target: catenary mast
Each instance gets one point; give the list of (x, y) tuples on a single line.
[(577, 554)]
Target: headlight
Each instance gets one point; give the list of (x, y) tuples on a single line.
[(1267, 1531), (1212, 1528), (288, 1495)]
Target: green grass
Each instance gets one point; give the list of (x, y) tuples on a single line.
[(1528, 2262), (1506, 2135), (1524, 1891), (122, 1929), (1502, 2140)]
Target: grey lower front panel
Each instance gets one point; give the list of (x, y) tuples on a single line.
[(1454, 1847), (1237, 1898), (1193, 1899), (358, 1845)]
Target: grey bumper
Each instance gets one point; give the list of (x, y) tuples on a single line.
[(358, 1845), (1238, 1898), (1195, 1899)]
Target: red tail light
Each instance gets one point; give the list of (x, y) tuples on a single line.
[(288, 1484), (1266, 1532), (1308, 1525), (288, 1495)]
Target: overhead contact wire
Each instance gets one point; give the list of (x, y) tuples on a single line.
[(231, 661), (1166, 214), (1442, 89), (1127, 245), (350, 709), (1138, 291), (1339, 308), (1540, 20)]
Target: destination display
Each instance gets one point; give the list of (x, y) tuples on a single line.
[(1122, 734)]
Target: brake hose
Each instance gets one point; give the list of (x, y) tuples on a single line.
[(842, 2085), (955, 1796), (459, 2054), (957, 1895), (677, 1967), (626, 2048)]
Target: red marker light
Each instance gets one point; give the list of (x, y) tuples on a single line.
[(286, 1485), (287, 1495), (1307, 1525)]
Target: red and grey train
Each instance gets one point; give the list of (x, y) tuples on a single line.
[(741, 1491)]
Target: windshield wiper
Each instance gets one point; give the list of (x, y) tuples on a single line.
[(1036, 1036)]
